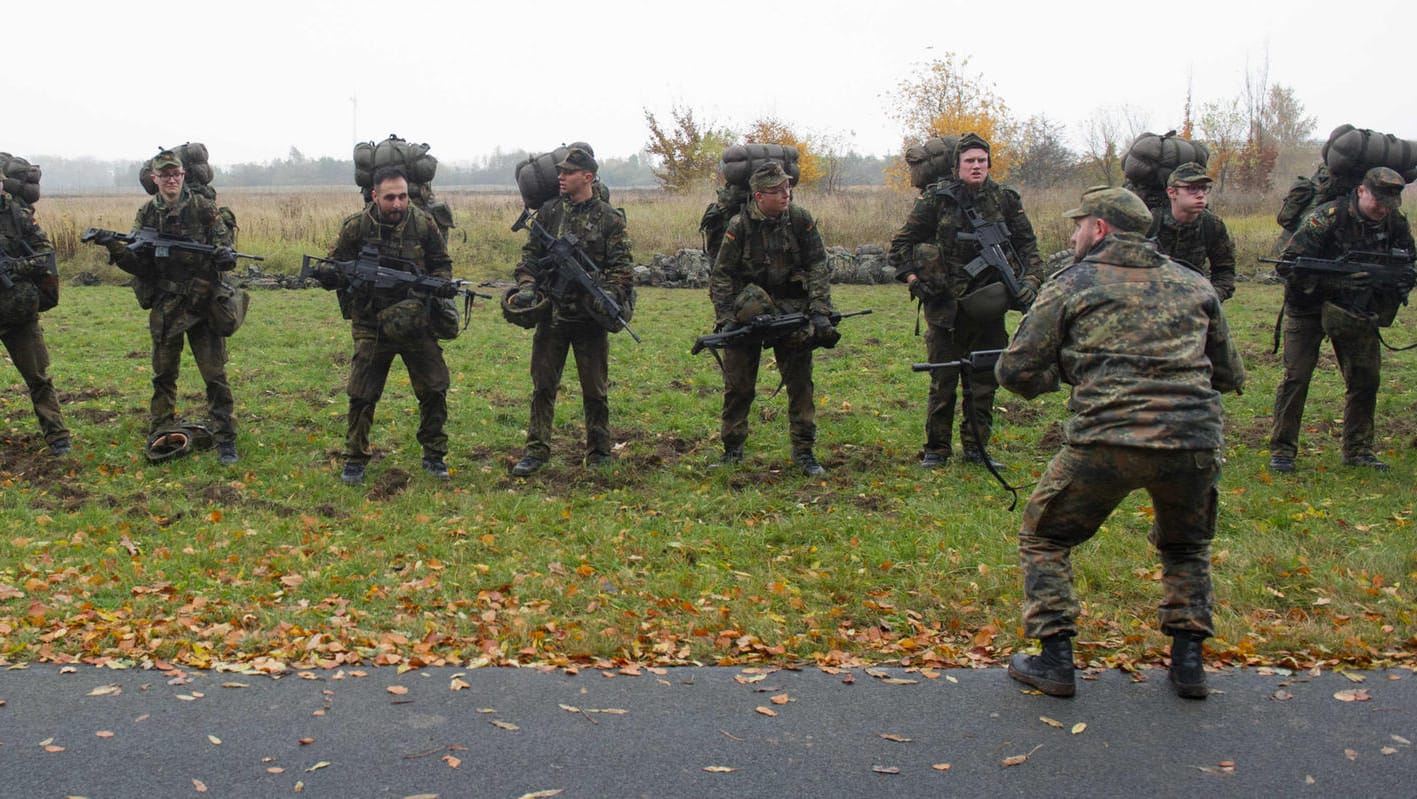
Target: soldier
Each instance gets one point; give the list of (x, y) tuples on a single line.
[(569, 324), (1367, 220), (772, 261), (180, 286), (387, 322), (20, 305), (962, 314), (1144, 345), (1189, 233)]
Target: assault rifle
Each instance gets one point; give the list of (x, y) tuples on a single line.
[(979, 359), (1389, 270), (147, 238), (996, 252), (370, 270), (25, 265), (567, 271), (763, 330)]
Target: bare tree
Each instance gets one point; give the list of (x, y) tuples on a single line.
[(1284, 116)]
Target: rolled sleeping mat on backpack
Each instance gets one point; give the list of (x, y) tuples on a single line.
[(1151, 157), (1351, 152), (536, 176), (740, 161), (931, 161)]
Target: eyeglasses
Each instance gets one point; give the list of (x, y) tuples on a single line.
[(780, 192), (1204, 189), (169, 175)]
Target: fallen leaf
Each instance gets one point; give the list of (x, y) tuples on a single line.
[(1014, 760), (742, 680), (1352, 695), (1353, 676), (318, 766), (1078, 728), (900, 739), (458, 684), (199, 785), (1051, 722), (956, 682), (766, 711), (275, 770), (306, 741), (1281, 695), (452, 762), (720, 769), (215, 740), (1351, 754), (52, 748), (104, 733), (541, 794), (235, 685), (397, 690), (941, 767), (505, 725), (780, 699), (885, 769), (898, 681), (1309, 779), (1388, 750), (569, 708), (107, 690), (1401, 740)]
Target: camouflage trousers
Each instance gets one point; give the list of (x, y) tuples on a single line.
[(740, 385), (209, 351), (550, 344), (1077, 493), (368, 372), (1360, 362), (941, 345), (25, 343)]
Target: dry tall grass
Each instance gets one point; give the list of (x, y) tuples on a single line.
[(284, 225)]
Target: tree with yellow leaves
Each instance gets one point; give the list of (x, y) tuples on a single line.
[(771, 130), (944, 99)]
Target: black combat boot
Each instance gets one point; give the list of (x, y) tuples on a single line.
[(1050, 671), (1188, 666)]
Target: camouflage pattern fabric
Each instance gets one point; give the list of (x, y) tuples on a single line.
[(1204, 245), (785, 258), (600, 230), (415, 238), (1143, 343), (937, 220), (1329, 231), (24, 339), (183, 288), (1080, 489)]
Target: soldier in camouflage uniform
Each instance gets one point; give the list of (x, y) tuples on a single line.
[(772, 261), (1144, 345), (20, 306), (570, 327), (1367, 220), (1190, 234), (403, 231), (962, 314), (180, 286)]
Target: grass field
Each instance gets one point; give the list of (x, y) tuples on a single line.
[(275, 564)]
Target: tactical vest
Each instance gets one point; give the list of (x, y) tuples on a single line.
[(773, 249)]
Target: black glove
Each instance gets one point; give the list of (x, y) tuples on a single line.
[(447, 290), (115, 247), (524, 298), (224, 259), (1027, 293), (328, 276), (725, 326), (824, 333)]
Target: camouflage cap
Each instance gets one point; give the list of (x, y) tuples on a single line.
[(578, 160), (971, 141), (1119, 208), (768, 176), (1189, 172), (1386, 185), (166, 159)]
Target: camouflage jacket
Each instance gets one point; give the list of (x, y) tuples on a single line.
[(19, 233), (1142, 341), (1330, 231), (600, 231), (1196, 244), (938, 219), (414, 238), (193, 217), (784, 256)]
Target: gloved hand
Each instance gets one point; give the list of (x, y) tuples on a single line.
[(1027, 293), (824, 333), (115, 247), (725, 326), (328, 276), (1358, 281), (524, 298), (224, 259), (447, 290)]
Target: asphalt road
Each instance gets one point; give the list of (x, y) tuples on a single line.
[(698, 732)]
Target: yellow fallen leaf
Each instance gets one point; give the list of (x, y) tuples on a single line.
[(1309, 779), (1078, 728), (1353, 676), (1013, 760), (900, 739), (104, 733), (541, 794), (766, 711), (941, 767), (1352, 695), (742, 680), (51, 748), (1388, 750), (569, 708), (275, 770), (306, 741), (1351, 754), (215, 740), (1401, 740), (452, 762), (107, 690), (319, 765), (199, 785), (505, 725), (458, 684), (720, 769), (235, 685), (886, 769), (898, 681), (397, 690), (953, 680), (1051, 722), (779, 699)]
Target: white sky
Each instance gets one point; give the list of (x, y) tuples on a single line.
[(252, 79)]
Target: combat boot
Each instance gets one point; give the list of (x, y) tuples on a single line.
[(934, 460), (435, 466), (1187, 672), (1050, 671), (979, 458), (732, 456), (1367, 460), (353, 473), (226, 453), (808, 463), (1281, 464), (527, 466)]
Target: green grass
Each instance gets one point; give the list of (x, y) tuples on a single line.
[(107, 558)]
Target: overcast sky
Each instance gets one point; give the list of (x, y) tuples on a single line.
[(253, 79)]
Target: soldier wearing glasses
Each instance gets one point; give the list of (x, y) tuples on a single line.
[(1190, 233)]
